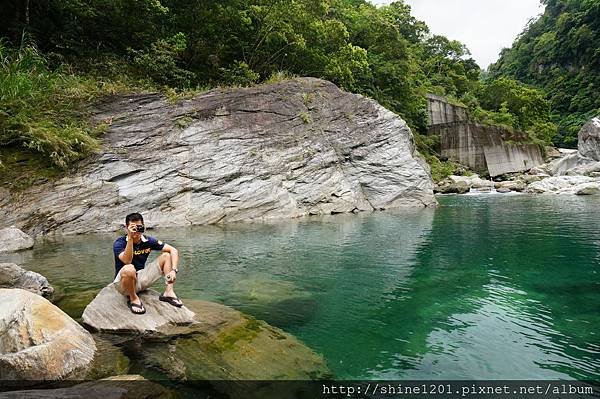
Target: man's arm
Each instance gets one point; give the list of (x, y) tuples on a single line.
[(174, 255), (127, 255)]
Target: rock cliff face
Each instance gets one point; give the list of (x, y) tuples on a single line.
[(282, 150)]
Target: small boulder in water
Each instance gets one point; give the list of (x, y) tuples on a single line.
[(13, 240), (13, 276), (278, 302)]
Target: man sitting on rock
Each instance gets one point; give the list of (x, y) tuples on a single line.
[(131, 273)]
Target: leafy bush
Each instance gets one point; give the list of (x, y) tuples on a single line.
[(161, 62)]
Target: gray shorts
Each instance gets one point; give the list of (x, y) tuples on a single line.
[(150, 274)]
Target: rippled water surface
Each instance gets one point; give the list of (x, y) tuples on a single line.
[(494, 287)]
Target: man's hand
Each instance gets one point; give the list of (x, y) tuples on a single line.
[(171, 277), (131, 230)]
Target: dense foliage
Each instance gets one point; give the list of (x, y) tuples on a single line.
[(55, 54), (560, 53)]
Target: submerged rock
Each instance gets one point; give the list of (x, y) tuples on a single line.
[(205, 341), (38, 341), (13, 240), (118, 387), (283, 150), (13, 276), (108, 361), (231, 346), (108, 312), (281, 303)]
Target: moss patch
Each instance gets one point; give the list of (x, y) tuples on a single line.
[(246, 331)]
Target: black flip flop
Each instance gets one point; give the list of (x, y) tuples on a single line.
[(132, 305), (171, 300)]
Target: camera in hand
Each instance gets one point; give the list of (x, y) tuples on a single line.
[(139, 228)]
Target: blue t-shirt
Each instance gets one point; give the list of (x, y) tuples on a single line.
[(140, 251)]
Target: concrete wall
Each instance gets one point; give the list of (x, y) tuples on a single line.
[(485, 149), (441, 111)]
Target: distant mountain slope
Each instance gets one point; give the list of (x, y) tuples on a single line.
[(560, 53)]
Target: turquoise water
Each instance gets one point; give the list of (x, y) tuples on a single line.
[(483, 287)]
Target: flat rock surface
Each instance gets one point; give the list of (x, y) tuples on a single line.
[(108, 312), (283, 150), (13, 276), (38, 341), (13, 239)]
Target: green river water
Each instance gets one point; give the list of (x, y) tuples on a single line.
[(483, 287)]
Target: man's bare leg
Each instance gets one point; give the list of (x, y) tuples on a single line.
[(128, 282), (166, 266)]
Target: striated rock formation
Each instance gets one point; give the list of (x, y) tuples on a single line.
[(13, 239), (589, 140), (282, 150), (13, 276), (40, 342)]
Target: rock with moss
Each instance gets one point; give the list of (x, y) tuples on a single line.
[(14, 276), (13, 240), (38, 341), (229, 346)]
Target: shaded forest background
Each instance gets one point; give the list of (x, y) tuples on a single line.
[(58, 55)]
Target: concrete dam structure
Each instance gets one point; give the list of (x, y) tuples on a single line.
[(492, 149)]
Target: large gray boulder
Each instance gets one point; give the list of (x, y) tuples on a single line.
[(589, 140), (282, 150), (38, 341), (13, 239), (108, 312), (13, 276)]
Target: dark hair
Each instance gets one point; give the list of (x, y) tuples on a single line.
[(132, 217)]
